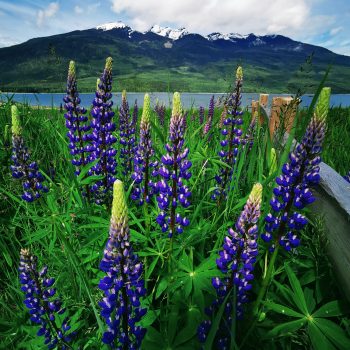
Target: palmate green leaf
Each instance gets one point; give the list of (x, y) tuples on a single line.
[(334, 333), (318, 339), (310, 300), (91, 179), (332, 309), (298, 295), (281, 309), (153, 340), (287, 327)]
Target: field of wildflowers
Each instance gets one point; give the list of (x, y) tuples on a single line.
[(148, 228)]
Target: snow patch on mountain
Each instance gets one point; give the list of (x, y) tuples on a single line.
[(168, 32), (112, 25)]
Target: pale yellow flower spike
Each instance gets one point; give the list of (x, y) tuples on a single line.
[(71, 69), (16, 124), (177, 106), (119, 207), (124, 95), (98, 81), (256, 193), (146, 111), (322, 106), (109, 63), (239, 73)]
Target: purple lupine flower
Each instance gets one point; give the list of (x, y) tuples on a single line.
[(209, 123), (76, 121), (174, 171), (102, 138), (231, 132), (41, 302), (347, 177), (127, 136), (299, 174), (201, 115), (135, 115), (23, 168), (145, 167), (160, 110), (236, 262), (123, 285), (249, 135), (223, 117)]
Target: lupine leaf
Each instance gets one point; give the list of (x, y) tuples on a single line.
[(287, 327), (298, 296), (331, 309), (281, 309), (334, 333), (318, 339)]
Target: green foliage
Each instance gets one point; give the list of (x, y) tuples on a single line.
[(303, 307)]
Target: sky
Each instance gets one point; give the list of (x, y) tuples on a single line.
[(320, 22)]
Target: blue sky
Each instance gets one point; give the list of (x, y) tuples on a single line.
[(319, 22)]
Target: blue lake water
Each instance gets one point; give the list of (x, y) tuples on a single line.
[(188, 99)]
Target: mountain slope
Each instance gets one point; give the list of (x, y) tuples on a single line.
[(164, 59)]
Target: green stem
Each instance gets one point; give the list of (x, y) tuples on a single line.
[(266, 281)]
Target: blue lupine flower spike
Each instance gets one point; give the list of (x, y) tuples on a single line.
[(145, 166), (76, 121), (23, 168), (127, 136), (42, 304), (102, 138), (208, 125), (236, 261), (160, 110), (299, 174), (123, 285), (174, 171), (231, 132)]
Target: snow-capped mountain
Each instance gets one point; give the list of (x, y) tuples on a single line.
[(168, 32), (112, 25)]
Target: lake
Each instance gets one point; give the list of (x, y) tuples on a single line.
[(188, 99)]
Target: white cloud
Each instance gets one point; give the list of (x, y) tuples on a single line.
[(335, 31), (7, 41), (48, 12), (242, 16), (78, 10)]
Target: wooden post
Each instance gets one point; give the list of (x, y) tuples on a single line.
[(282, 106), (255, 108), (263, 100)]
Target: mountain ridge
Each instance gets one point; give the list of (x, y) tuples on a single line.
[(163, 58)]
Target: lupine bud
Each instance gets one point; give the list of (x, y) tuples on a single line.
[(39, 300), (23, 168), (145, 167), (127, 136), (299, 174), (174, 171), (236, 261), (231, 132), (76, 122), (102, 138), (273, 161), (123, 285)]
